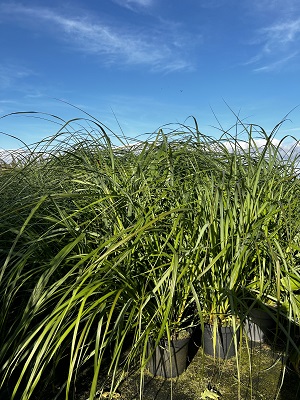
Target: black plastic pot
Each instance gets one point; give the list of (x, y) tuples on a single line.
[(259, 325), (225, 347), (169, 360)]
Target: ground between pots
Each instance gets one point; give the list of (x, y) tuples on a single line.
[(259, 379)]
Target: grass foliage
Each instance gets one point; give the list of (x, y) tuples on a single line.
[(106, 242)]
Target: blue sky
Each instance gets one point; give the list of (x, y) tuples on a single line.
[(149, 63)]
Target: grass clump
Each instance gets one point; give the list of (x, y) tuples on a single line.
[(106, 244)]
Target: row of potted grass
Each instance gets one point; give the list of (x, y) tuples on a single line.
[(106, 248)]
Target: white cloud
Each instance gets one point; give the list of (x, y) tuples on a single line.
[(280, 34), (132, 4), (277, 39), (276, 65), (8, 101), (125, 45), (288, 147), (277, 45)]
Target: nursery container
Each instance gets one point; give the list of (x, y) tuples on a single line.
[(259, 325), (225, 347), (169, 360)]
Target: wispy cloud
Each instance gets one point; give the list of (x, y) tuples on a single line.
[(277, 40), (122, 45), (10, 74), (132, 4), (280, 35), (276, 65), (277, 45)]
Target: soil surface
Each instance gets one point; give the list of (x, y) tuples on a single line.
[(261, 378)]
